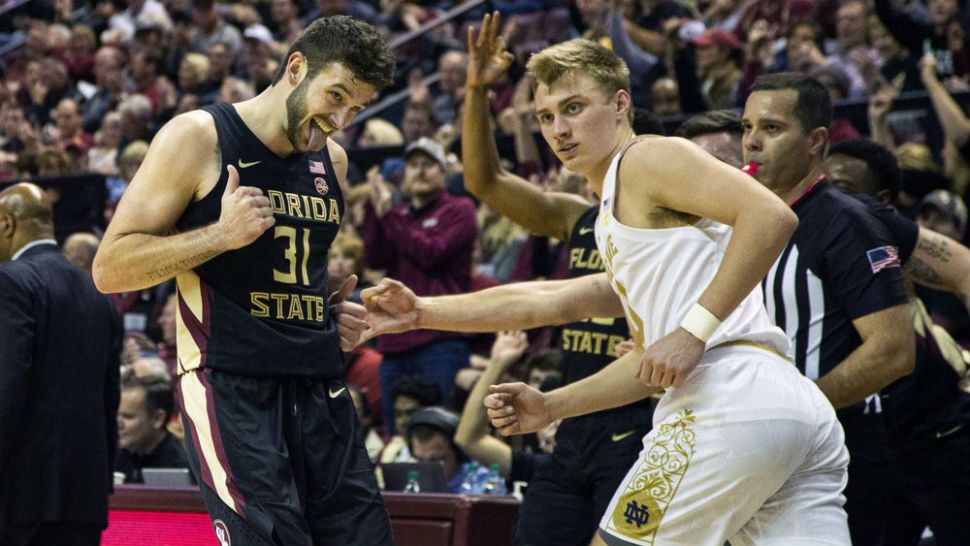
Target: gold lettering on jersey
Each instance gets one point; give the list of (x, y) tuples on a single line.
[(258, 301), (307, 207), (636, 323), (584, 258), (284, 306), (636, 330), (596, 343)]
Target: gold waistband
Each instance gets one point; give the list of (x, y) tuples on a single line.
[(754, 344)]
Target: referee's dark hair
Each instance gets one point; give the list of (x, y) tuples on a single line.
[(813, 107), (884, 171), (714, 121), (158, 391)]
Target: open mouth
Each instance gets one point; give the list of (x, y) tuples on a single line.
[(318, 133), (324, 126), (567, 148)]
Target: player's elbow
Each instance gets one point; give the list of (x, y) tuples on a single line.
[(901, 355), (105, 272), (463, 438), (101, 273), (906, 358), (784, 219)]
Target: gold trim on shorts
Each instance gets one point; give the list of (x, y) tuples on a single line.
[(640, 510)]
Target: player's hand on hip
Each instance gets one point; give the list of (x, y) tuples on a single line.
[(246, 212), (350, 315), (517, 408), (487, 56), (669, 361), (391, 308)]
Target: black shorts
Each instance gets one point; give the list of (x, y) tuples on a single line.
[(571, 490), (868, 490), (281, 461)]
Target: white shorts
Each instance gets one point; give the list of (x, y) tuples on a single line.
[(747, 451)]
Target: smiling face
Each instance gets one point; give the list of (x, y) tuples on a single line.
[(582, 125), (323, 105)]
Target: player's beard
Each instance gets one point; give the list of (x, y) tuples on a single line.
[(296, 110)]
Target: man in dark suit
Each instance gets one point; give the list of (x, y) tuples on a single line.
[(60, 342)]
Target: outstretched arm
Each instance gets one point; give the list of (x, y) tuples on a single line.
[(516, 408), (393, 307)]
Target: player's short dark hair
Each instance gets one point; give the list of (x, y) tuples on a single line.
[(158, 391), (813, 107), (714, 121), (425, 391), (879, 160), (348, 41)]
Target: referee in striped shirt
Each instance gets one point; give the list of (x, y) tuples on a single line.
[(837, 288)]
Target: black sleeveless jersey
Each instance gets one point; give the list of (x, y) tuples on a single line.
[(262, 309), (589, 345)]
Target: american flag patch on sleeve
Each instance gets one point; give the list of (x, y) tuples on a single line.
[(883, 257), (317, 167)]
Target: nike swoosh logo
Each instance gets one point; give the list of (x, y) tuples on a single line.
[(618, 437), (337, 393), (946, 433), (585, 230), (244, 165)]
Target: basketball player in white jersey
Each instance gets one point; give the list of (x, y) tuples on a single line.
[(743, 448)]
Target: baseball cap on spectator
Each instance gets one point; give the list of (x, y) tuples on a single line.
[(717, 37), (392, 169), (428, 146), (259, 33), (948, 204)]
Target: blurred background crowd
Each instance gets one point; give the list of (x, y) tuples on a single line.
[(86, 84)]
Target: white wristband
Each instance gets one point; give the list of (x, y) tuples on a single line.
[(700, 322)]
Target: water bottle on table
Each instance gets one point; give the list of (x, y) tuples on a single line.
[(412, 486)]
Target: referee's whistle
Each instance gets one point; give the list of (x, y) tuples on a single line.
[(751, 168)]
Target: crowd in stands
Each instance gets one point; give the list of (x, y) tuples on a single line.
[(86, 84)]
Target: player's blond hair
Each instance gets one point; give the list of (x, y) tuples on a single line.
[(580, 57)]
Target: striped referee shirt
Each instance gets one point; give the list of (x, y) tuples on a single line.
[(841, 264)]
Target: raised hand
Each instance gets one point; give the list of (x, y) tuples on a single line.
[(669, 360), (927, 68), (881, 102), (246, 212), (381, 197), (391, 308), (487, 56), (509, 346), (516, 408)]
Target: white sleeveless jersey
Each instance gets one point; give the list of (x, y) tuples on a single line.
[(660, 273)]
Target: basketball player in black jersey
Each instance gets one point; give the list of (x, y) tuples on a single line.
[(239, 203)]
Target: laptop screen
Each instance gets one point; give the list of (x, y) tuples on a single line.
[(431, 476)]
